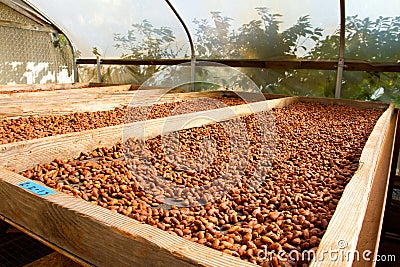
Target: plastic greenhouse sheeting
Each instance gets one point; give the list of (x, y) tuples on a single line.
[(251, 29)]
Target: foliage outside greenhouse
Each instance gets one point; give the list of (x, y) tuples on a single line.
[(261, 38)]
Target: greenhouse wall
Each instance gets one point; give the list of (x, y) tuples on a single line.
[(32, 52)]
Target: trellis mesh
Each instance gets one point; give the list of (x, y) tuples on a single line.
[(30, 56)]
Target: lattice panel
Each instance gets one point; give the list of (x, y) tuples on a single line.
[(30, 56), (7, 13)]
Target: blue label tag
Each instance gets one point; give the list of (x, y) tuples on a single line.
[(36, 188)]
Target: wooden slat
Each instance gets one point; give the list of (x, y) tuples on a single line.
[(346, 223), (26, 154), (100, 236), (372, 225)]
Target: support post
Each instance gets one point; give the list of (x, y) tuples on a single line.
[(340, 66), (98, 69)]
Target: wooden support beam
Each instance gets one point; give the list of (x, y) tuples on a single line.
[(370, 234), (320, 64)]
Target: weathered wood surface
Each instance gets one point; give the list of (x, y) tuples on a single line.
[(25, 154), (345, 226)]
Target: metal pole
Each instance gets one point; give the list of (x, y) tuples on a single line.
[(192, 51), (98, 69), (340, 67), (75, 67)]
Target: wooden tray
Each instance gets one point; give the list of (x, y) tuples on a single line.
[(92, 235)]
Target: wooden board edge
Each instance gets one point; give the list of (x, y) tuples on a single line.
[(345, 225), (370, 233), (98, 235)]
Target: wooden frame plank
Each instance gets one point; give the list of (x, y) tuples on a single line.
[(352, 207), (284, 64), (372, 226)]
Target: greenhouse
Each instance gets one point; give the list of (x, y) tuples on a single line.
[(212, 133)]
